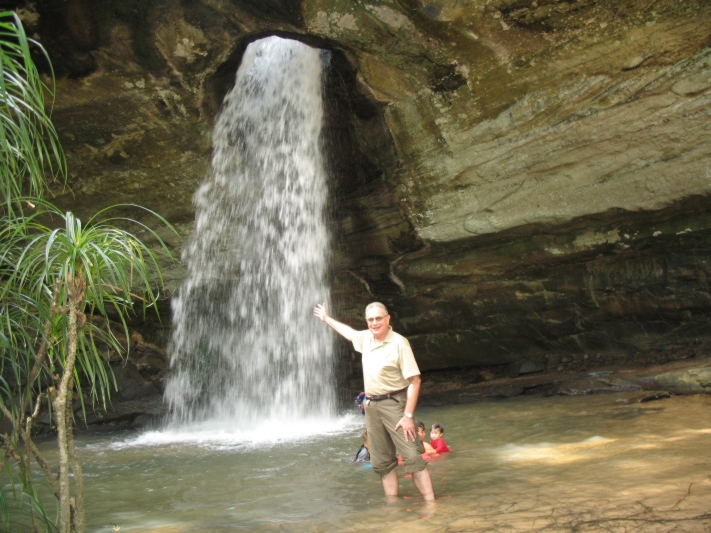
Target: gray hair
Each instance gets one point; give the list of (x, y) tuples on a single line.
[(376, 304)]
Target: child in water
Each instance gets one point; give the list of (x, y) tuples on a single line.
[(429, 450), (437, 440), (421, 433), (359, 402), (363, 455)]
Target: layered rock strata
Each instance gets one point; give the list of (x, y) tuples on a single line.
[(525, 183)]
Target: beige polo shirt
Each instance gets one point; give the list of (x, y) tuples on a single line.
[(386, 365)]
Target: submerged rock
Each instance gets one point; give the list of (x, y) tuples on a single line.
[(652, 396)]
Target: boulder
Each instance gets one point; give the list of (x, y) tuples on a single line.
[(688, 381), (131, 384)]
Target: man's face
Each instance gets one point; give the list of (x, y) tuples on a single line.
[(378, 322)]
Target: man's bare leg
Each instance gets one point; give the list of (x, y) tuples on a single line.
[(391, 485), (424, 484)]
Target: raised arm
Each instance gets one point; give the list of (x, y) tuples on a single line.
[(346, 332)]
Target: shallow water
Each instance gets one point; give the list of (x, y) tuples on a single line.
[(594, 463)]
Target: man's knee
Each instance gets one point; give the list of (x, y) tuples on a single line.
[(414, 465), (412, 457), (383, 466)]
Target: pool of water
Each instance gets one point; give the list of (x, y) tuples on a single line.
[(594, 463)]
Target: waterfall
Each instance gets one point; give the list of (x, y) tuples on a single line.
[(246, 348)]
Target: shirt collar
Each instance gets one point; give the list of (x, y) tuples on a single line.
[(388, 338)]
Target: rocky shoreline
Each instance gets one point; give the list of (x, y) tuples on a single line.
[(651, 383), (139, 402)]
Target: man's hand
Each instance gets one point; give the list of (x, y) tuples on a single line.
[(321, 312), (346, 332), (408, 428), (413, 392)]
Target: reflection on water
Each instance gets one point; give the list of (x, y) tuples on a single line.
[(554, 453), (556, 465)]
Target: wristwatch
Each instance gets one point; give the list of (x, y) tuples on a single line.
[(408, 415)]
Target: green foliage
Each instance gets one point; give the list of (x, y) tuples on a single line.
[(29, 145), (119, 272), (24, 507), (59, 281)]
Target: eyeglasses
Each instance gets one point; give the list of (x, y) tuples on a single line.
[(377, 319)]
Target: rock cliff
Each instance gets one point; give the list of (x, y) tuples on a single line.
[(525, 183)]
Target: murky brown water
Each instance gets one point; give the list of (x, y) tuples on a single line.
[(594, 463)]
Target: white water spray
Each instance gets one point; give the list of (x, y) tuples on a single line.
[(246, 349)]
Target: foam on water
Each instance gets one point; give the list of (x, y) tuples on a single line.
[(246, 351), (212, 436)]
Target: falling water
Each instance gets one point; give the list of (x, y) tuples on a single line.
[(246, 348)]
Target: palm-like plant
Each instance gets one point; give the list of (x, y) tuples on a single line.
[(71, 275), (29, 146), (60, 279)]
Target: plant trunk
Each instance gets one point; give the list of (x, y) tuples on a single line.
[(63, 399), (60, 415), (78, 474), (44, 344), (27, 471), (51, 479)]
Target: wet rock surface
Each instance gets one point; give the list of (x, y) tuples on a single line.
[(525, 184), (641, 385), (690, 381)]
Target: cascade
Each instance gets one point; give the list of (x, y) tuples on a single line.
[(246, 348)]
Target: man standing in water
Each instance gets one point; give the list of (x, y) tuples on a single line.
[(392, 386)]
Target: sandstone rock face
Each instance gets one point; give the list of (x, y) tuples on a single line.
[(526, 184)]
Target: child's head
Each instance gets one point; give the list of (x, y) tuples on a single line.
[(420, 426), (437, 431)]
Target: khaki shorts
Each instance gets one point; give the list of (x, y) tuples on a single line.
[(384, 443)]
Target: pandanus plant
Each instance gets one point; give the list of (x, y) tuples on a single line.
[(73, 277), (61, 279)]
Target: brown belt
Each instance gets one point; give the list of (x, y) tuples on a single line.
[(384, 396)]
